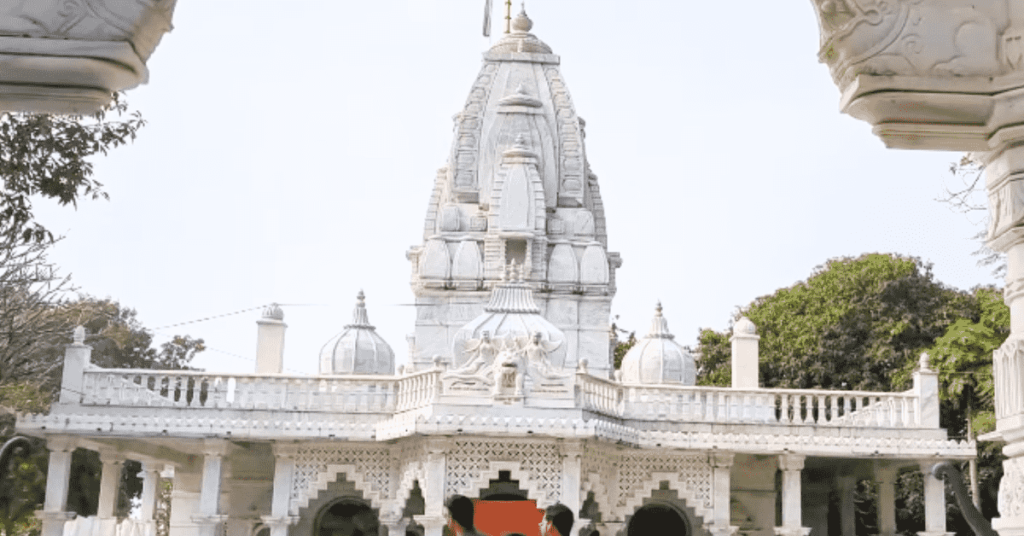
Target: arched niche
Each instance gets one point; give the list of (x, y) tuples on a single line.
[(343, 494)]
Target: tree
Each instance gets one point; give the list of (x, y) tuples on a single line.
[(848, 326), (969, 198), (861, 323), (963, 359), (49, 156), (119, 341)]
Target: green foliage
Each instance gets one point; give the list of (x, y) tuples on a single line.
[(714, 361), (622, 347), (119, 340), (963, 359), (49, 156), (852, 323), (861, 323)]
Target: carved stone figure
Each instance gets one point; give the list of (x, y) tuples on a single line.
[(509, 373), (535, 350), (483, 351)]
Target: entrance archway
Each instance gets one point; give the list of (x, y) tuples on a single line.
[(656, 519), (346, 517)]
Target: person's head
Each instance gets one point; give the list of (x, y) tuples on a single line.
[(558, 516), (460, 510)]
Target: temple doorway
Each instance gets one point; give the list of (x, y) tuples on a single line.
[(657, 520), (347, 517), (504, 508)]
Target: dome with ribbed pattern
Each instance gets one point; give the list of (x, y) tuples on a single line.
[(658, 358), (358, 349)]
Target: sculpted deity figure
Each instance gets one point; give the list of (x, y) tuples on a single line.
[(483, 352), (536, 351)]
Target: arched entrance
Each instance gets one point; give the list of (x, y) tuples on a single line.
[(346, 517), (658, 519), (503, 508)]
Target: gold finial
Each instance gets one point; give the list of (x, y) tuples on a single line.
[(508, 16)]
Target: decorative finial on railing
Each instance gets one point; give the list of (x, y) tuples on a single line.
[(78, 336), (924, 361), (273, 312)]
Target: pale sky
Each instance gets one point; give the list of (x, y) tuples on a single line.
[(292, 146)]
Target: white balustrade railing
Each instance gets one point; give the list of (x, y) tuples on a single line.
[(192, 389), (375, 394), (418, 390), (769, 406)]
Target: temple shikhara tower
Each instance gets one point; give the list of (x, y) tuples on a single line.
[(517, 190), (508, 393)]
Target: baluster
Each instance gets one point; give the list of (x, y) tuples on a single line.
[(807, 406)]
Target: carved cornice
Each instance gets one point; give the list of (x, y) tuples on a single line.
[(69, 56), (139, 22), (927, 74)]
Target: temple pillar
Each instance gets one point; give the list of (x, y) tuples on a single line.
[(846, 485), (284, 468), (433, 485), (110, 477), (792, 466), (722, 491), (209, 516), (572, 453), (885, 477), (1004, 178), (58, 477), (150, 476), (934, 503)]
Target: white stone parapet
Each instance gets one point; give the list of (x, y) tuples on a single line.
[(385, 396), (859, 409)]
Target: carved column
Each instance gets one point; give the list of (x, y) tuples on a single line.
[(791, 466), (722, 490), (572, 453), (1004, 177), (433, 485), (209, 515), (934, 503), (885, 477), (280, 517), (58, 473), (150, 476), (846, 485), (110, 477)]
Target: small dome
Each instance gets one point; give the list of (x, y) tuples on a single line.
[(358, 349), (658, 358), (273, 312), (744, 326), (511, 315)]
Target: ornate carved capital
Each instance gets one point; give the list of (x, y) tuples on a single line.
[(909, 38), (930, 74)]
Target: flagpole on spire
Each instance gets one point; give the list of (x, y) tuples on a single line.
[(487, 18), (508, 16)]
